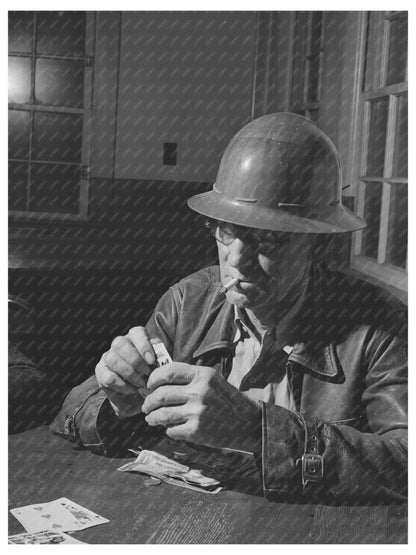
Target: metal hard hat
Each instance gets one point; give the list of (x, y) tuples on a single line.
[(280, 172)]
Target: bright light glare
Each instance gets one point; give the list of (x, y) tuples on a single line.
[(19, 80)]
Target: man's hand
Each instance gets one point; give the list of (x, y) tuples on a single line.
[(122, 371), (194, 403)]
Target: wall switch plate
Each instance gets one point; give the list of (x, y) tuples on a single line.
[(170, 151)]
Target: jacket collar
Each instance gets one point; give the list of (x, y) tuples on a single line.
[(322, 360), (222, 331)]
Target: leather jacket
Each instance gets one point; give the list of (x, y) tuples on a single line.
[(347, 438)]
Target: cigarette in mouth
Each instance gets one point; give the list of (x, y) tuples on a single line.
[(230, 284)]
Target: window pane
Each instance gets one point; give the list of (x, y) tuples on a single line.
[(313, 81), (54, 188), (20, 31), (61, 33), (372, 209), (373, 50), (298, 58), (316, 31), (377, 137), (397, 230), (17, 185), (59, 83), (19, 80), (397, 56), (19, 130), (314, 60), (400, 142), (57, 137)]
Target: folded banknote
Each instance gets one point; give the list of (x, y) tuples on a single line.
[(207, 470)]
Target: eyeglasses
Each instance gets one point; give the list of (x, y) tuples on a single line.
[(262, 241)]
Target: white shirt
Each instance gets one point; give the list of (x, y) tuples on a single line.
[(268, 382)]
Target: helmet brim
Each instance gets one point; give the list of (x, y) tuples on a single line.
[(290, 219)]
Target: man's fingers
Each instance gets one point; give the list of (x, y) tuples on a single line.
[(174, 373), (124, 348), (166, 416), (121, 367), (113, 382), (165, 395), (139, 338), (181, 432)]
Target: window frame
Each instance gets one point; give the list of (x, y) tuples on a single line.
[(388, 274), (86, 111)]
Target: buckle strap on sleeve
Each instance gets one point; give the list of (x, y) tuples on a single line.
[(312, 463)]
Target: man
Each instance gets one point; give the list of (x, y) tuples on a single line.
[(273, 353)]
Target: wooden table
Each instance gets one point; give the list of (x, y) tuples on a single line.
[(44, 467)]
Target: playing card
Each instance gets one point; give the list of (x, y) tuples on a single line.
[(44, 537), (85, 517), (46, 516), (58, 515)]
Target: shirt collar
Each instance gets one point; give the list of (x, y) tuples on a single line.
[(241, 328), (242, 323)]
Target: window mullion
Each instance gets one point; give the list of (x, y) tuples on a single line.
[(290, 59), (358, 242), (363, 165), (384, 219), (385, 31), (307, 39), (386, 196), (356, 136), (397, 88), (31, 111), (321, 56)]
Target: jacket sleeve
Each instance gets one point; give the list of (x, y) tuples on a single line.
[(87, 418), (345, 463)]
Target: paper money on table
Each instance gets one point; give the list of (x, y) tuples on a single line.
[(207, 470), (171, 472)]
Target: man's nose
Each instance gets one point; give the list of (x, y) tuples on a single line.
[(241, 255)]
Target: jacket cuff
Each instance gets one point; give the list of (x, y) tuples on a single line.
[(88, 420), (283, 444), (77, 419)]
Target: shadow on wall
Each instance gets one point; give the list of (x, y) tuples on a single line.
[(88, 284)]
